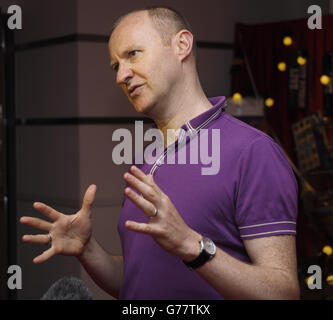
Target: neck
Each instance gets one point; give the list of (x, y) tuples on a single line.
[(188, 102)]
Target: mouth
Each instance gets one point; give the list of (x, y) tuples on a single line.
[(133, 91)]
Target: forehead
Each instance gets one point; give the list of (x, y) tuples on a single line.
[(133, 29)]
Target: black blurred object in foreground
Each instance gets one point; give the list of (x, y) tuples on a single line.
[(69, 288)]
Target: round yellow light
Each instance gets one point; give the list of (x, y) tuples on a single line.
[(287, 41), (269, 102), (282, 66), (329, 280), (237, 97), (327, 250), (325, 79), (301, 61), (310, 280)]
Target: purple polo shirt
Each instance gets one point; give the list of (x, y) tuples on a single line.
[(253, 194)]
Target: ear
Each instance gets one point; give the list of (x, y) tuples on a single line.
[(184, 44)]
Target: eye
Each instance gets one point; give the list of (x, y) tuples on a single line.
[(115, 67), (133, 53)]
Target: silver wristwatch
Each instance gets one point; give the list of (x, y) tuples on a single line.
[(207, 252)]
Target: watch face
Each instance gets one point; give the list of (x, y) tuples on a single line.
[(209, 246)]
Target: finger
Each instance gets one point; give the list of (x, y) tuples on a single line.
[(138, 173), (146, 178), (44, 256), (140, 227), (38, 238), (147, 207), (36, 223), (88, 199), (146, 190), (47, 210)]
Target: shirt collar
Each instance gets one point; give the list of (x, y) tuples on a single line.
[(200, 121), (194, 125)]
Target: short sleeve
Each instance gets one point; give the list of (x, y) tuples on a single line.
[(266, 196)]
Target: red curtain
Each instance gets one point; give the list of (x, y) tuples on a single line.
[(262, 44)]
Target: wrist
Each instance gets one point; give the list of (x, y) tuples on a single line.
[(207, 252), (192, 247), (88, 247)]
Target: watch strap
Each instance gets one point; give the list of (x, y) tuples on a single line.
[(200, 260)]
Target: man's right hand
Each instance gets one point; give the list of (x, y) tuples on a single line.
[(69, 233)]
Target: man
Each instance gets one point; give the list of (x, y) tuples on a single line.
[(186, 235)]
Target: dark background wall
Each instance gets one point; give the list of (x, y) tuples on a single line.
[(56, 163)]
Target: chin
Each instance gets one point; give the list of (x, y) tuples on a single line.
[(142, 107)]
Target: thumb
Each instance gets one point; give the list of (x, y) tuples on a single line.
[(88, 198)]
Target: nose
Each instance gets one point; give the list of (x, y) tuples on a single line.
[(124, 74)]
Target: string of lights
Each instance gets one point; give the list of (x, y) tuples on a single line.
[(324, 256)]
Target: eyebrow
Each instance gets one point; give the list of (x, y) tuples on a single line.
[(128, 49), (123, 52)]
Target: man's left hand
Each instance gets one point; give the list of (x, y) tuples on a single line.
[(167, 226)]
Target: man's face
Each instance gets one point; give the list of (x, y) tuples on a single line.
[(145, 68)]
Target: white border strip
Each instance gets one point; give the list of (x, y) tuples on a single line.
[(266, 224), (259, 234)]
